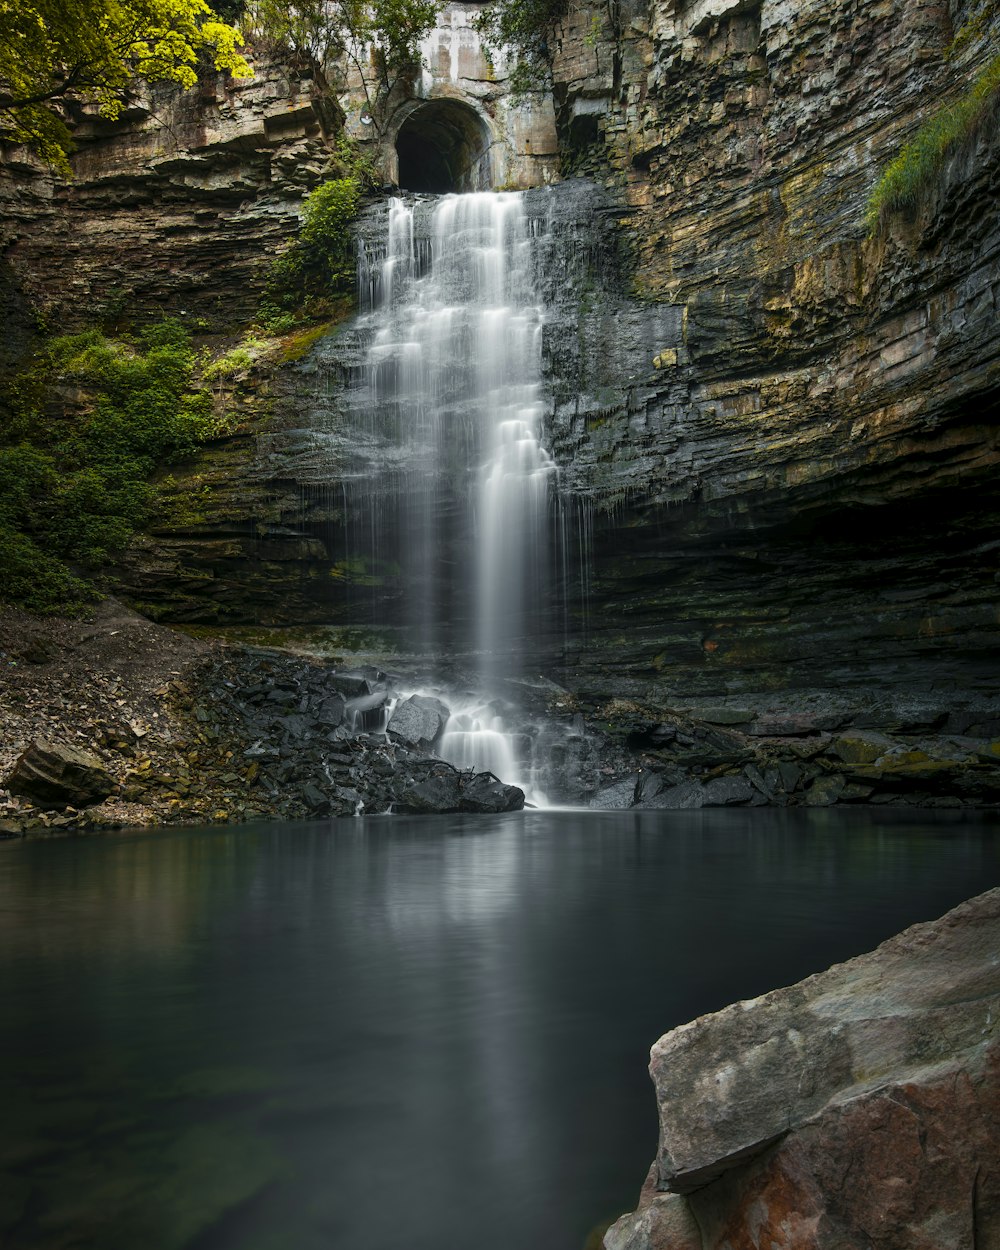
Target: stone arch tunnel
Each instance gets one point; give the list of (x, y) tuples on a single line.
[(444, 145)]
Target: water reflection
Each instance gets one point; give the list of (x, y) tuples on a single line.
[(401, 1032)]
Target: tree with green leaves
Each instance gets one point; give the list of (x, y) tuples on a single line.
[(521, 29), (379, 39), (95, 50)]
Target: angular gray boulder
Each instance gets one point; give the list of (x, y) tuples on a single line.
[(55, 774), (452, 791), (418, 720)]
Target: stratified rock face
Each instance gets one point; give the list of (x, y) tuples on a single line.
[(54, 774), (793, 487), (176, 209), (859, 1108)]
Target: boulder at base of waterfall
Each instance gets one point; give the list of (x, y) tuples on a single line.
[(485, 793), (351, 685), (53, 774), (460, 792), (418, 721), (725, 791), (614, 797), (858, 1108), (688, 794)]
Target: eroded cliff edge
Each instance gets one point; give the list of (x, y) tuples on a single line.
[(858, 1108), (784, 427)]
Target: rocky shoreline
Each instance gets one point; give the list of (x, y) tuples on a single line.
[(113, 721)]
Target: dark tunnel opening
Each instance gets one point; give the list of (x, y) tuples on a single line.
[(442, 146)]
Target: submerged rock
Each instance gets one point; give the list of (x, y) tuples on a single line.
[(858, 1108), (54, 774)]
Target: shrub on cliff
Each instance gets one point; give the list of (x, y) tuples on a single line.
[(520, 29), (941, 135), (949, 128), (320, 264), (91, 419), (379, 39)]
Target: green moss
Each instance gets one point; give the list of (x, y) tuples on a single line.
[(296, 345), (91, 419), (945, 132)]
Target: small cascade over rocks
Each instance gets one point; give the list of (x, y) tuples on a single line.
[(452, 386)]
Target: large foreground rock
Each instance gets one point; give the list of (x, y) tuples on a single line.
[(53, 774), (859, 1108)]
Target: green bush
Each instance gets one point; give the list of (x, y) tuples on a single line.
[(521, 29), (320, 263), (91, 419), (920, 162)]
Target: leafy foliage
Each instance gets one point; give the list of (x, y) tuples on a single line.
[(920, 160), (320, 264), (91, 421), (521, 28), (51, 48), (380, 38)]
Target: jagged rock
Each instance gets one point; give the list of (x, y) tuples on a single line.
[(861, 747), (687, 794), (725, 791), (331, 712), (615, 797), (54, 774), (649, 786), (486, 793), (460, 792), (661, 1222), (352, 685), (418, 720), (722, 715), (825, 790), (366, 712), (858, 1108)]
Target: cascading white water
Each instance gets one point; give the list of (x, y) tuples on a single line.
[(454, 371)]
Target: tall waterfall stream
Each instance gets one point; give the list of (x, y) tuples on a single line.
[(452, 387)]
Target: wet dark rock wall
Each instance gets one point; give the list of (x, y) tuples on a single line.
[(794, 489), (776, 433)]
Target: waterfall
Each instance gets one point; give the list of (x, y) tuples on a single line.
[(452, 381), (453, 376)]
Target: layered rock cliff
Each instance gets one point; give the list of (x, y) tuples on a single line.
[(177, 207), (804, 485)]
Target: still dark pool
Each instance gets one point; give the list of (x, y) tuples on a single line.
[(401, 1033)]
